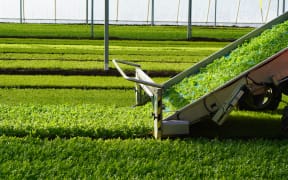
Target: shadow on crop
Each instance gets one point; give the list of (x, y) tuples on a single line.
[(241, 127), (99, 133)]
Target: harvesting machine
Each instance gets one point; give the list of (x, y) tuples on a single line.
[(258, 88)]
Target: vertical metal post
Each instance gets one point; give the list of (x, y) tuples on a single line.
[(284, 8), (148, 11), (238, 9), (158, 114), (152, 13), (215, 15), (177, 19), (277, 7), (21, 8), (55, 11), (87, 9), (117, 10), (92, 19), (138, 92), (106, 36), (189, 27)]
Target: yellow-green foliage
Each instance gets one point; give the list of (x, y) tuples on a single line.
[(227, 67)]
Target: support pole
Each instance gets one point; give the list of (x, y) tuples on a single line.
[(284, 8), (177, 20), (158, 114), (148, 11), (238, 9), (268, 9), (215, 15), (189, 27), (55, 11), (277, 7), (106, 36), (21, 8), (92, 19), (152, 13), (208, 11), (87, 13), (117, 10)]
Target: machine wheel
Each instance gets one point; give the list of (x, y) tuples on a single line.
[(267, 101), (284, 120)]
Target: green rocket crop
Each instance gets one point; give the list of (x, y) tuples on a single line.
[(226, 68)]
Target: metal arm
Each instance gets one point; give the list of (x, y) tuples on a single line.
[(133, 79)]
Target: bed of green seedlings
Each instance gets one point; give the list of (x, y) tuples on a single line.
[(67, 96), (30, 54), (30, 65), (86, 158), (83, 134), (227, 67), (90, 120), (57, 81), (118, 32)]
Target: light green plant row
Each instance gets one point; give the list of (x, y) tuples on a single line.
[(131, 43), (120, 98), (105, 82), (89, 65), (117, 32), (91, 49), (91, 120), (110, 120), (227, 67), (134, 57), (86, 158), (43, 51)]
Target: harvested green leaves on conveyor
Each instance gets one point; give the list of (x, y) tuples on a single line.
[(223, 69)]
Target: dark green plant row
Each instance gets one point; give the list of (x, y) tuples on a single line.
[(84, 158), (119, 32)]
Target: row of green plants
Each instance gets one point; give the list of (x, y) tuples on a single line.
[(46, 119), (118, 32), (17, 54), (58, 81), (30, 54), (30, 65), (86, 158), (223, 69), (131, 43), (86, 120), (67, 96), (83, 134)]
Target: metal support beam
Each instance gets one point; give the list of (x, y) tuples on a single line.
[(106, 36), (189, 27), (277, 7), (92, 19), (152, 13), (157, 106), (23, 10), (55, 11), (215, 14), (87, 11), (21, 13), (284, 6)]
